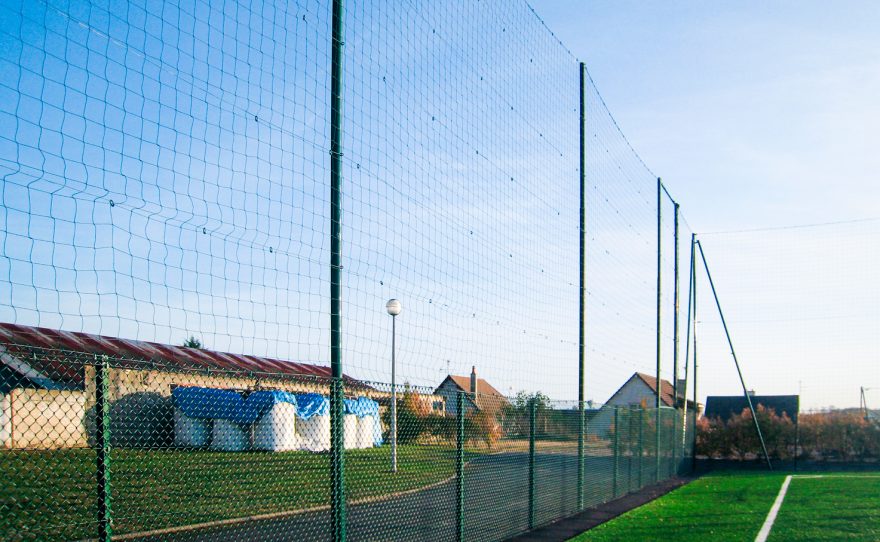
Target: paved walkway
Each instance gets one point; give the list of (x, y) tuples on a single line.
[(496, 506)]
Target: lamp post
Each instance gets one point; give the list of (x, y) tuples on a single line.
[(393, 307)]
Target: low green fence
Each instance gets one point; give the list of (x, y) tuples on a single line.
[(136, 450)]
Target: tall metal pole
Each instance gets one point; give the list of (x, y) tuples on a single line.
[(694, 320), (393, 396), (659, 319), (337, 426), (675, 342), (735, 361), (687, 346), (582, 301)]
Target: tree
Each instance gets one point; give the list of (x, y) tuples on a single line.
[(192, 342), (520, 409), (523, 401)]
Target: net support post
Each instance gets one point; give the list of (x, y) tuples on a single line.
[(581, 292), (675, 338), (102, 449), (694, 324), (337, 425), (659, 401)]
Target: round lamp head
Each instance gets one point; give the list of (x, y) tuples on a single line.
[(393, 307)]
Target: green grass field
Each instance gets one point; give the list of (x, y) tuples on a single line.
[(734, 506), (51, 494)]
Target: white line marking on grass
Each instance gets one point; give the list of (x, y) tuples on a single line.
[(771, 516), (777, 504), (857, 476)]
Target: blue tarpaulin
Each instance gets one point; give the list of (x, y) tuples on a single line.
[(312, 404), (210, 403)]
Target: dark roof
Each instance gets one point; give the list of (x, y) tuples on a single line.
[(726, 406), (487, 396), (53, 358)]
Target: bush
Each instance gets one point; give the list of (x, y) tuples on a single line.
[(840, 435), (834, 435), (482, 426), (417, 424), (412, 415)]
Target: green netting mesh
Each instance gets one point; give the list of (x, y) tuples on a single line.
[(165, 276)]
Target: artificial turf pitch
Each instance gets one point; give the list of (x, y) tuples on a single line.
[(734, 506)]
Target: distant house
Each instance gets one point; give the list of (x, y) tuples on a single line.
[(479, 395), (725, 406), (640, 391)]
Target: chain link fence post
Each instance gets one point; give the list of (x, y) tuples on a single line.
[(102, 447), (533, 407), (631, 449), (641, 443), (337, 461), (616, 451), (459, 468)]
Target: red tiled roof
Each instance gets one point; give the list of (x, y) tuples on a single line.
[(665, 389), (487, 396), (61, 356)]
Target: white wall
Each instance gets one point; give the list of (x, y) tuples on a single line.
[(5, 420), (632, 394)]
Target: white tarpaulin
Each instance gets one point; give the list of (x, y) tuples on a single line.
[(228, 436), (276, 429), (351, 429), (190, 432), (314, 433), (366, 428)]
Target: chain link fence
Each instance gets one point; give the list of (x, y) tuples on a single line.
[(184, 453)]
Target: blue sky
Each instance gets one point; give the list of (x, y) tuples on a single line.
[(759, 114), (164, 173), (756, 113)]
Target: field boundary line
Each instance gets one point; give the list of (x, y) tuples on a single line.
[(774, 510), (809, 476)]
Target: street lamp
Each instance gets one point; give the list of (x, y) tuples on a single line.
[(393, 307)]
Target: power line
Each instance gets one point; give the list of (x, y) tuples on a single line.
[(795, 226)]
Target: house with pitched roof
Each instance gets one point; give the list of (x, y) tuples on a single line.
[(478, 394), (639, 391)]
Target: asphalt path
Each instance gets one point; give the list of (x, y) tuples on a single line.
[(496, 504)]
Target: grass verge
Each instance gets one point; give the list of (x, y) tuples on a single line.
[(51, 494)]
